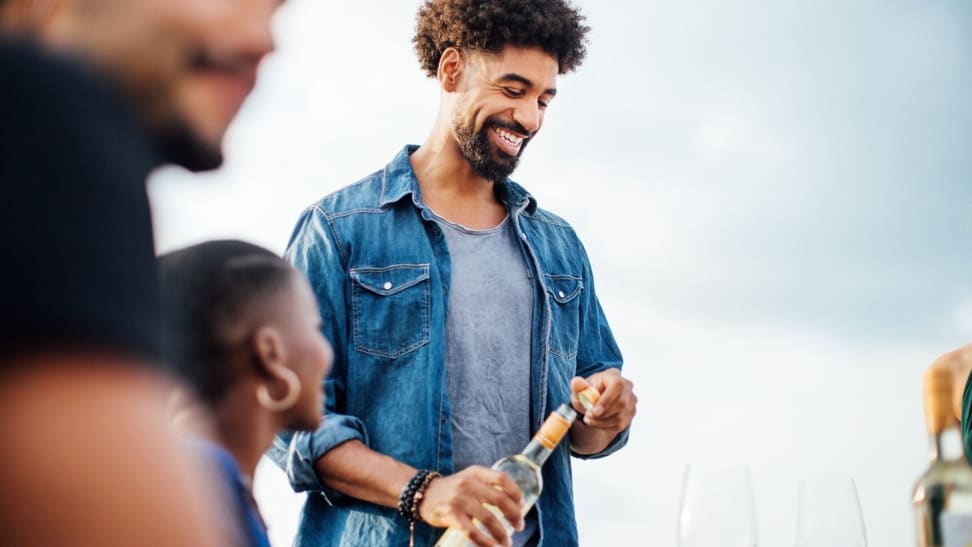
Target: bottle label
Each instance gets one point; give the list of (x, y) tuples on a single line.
[(956, 529), (552, 431)]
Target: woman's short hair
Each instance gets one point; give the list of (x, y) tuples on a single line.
[(210, 293)]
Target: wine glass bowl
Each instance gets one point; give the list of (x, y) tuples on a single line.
[(829, 514), (717, 508)]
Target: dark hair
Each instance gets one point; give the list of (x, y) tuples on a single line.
[(208, 292), (552, 25)]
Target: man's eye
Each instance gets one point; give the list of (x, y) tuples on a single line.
[(543, 104), (513, 92)]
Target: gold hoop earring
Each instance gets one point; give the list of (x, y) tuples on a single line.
[(288, 400)]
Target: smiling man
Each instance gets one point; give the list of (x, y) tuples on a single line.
[(460, 312)]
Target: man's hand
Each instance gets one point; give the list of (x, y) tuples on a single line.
[(611, 415), (456, 500), (617, 405)]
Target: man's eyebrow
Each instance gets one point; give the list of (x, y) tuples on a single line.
[(514, 77)]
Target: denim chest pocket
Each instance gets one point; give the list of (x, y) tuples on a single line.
[(564, 292), (390, 309)]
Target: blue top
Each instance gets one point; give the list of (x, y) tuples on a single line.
[(379, 265), (242, 520)]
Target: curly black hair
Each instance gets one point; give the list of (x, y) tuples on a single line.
[(489, 25)]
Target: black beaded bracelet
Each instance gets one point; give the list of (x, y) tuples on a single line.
[(413, 493)]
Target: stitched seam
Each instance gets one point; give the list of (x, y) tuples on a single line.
[(392, 355), (342, 252), (550, 221), (562, 355), (359, 210)]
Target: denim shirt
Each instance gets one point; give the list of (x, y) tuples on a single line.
[(380, 267)]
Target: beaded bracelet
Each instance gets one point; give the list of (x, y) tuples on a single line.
[(413, 493), (411, 498)]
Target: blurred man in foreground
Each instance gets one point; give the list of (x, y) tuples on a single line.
[(89, 456)]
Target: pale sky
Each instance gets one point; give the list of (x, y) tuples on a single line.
[(775, 197)]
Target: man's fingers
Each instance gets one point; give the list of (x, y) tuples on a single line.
[(511, 510), (470, 530), (492, 523), (502, 481), (498, 489), (613, 388)]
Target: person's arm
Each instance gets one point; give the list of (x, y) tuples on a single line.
[(604, 430), (336, 459), (90, 458), (355, 470)]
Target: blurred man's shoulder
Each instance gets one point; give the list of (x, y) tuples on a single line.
[(31, 71)]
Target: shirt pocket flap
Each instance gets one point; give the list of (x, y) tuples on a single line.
[(564, 288), (390, 280)]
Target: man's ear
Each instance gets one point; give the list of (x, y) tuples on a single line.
[(269, 348), (451, 66)]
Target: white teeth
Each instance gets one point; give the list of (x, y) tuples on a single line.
[(509, 137)]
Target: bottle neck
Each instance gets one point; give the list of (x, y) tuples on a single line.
[(536, 452), (946, 445), (553, 429)]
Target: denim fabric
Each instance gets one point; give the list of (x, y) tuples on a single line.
[(380, 267)]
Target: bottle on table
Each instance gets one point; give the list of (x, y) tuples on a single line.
[(524, 468), (943, 494)]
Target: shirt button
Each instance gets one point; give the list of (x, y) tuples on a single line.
[(523, 237), (388, 285), (443, 419), (560, 294)]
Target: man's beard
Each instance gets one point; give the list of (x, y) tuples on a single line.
[(492, 164), (178, 144), (151, 89)]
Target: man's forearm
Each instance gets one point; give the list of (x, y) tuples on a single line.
[(354, 469)]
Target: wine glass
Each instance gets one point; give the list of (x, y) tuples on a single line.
[(829, 514), (717, 507)]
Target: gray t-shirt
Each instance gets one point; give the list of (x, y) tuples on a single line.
[(488, 330)]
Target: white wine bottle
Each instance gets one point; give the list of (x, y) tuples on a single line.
[(524, 468), (943, 494)]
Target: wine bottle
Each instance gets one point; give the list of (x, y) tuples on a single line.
[(524, 468), (943, 494)]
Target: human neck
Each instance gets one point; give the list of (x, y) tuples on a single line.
[(244, 428), (450, 185)]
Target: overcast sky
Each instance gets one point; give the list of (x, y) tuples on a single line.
[(775, 197)]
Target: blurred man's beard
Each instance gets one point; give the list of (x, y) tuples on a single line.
[(180, 145), (488, 162), (149, 68)]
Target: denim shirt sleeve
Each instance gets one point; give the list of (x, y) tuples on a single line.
[(597, 350), (314, 251)]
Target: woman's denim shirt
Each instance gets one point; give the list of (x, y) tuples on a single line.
[(379, 265)]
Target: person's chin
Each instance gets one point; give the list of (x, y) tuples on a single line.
[(503, 163), (180, 145)]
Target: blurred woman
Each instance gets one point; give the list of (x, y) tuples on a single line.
[(246, 339)]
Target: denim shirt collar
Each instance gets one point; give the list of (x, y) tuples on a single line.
[(399, 180)]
